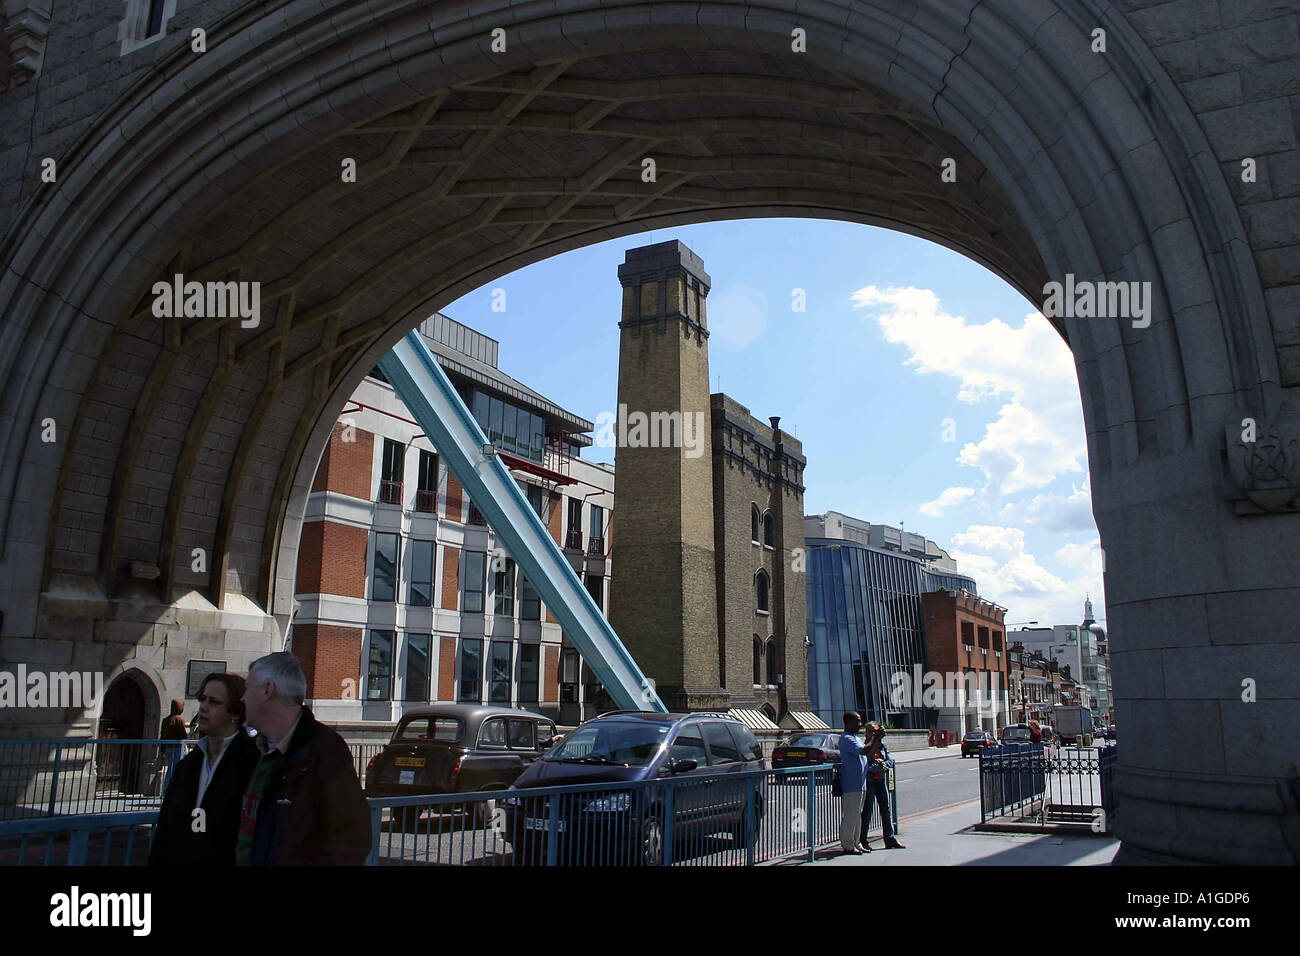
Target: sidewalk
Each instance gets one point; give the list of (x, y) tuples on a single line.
[(943, 837), (929, 753)]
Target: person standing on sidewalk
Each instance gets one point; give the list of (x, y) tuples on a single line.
[(853, 766), (173, 729), (876, 787)]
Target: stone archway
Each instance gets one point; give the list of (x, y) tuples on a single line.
[(177, 436)]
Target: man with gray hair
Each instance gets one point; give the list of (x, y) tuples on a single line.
[(303, 805)]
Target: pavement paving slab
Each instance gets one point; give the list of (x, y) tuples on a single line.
[(944, 837)]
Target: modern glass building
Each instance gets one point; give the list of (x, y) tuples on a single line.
[(864, 619)]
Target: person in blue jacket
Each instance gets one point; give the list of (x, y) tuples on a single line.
[(853, 765)]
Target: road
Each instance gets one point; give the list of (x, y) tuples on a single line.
[(938, 782)]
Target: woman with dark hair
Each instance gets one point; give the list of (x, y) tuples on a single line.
[(198, 824)]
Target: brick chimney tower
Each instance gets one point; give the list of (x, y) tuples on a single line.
[(663, 598)]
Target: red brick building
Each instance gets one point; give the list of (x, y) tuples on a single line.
[(965, 642), (404, 595)]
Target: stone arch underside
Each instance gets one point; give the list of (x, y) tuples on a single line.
[(197, 433)]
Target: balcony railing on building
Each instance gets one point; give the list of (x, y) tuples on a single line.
[(476, 516), (596, 545), (390, 493), (426, 501), (574, 539)]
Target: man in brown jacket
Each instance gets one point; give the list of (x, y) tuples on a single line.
[(303, 805)]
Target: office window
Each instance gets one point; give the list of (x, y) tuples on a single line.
[(421, 587), (575, 516), (530, 603), (417, 667), (568, 676), (596, 588), (496, 420), (390, 472), (384, 579), (154, 22), (394, 460), (379, 671), (500, 674), (597, 530), (537, 498), (761, 589), (509, 425), (475, 565), (471, 671), (426, 495), (504, 585), (528, 671)]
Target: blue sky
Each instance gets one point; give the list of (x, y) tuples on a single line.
[(903, 344)]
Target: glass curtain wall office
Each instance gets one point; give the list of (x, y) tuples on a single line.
[(864, 619)]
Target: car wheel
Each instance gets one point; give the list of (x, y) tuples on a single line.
[(650, 842), (482, 814)]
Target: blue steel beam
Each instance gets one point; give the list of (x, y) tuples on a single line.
[(422, 384)]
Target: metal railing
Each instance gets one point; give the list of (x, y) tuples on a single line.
[(92, 839), (736, 819), (426, 501), (44, 778), (1039, 784), (390, 492), (47, 778), (741, 819)]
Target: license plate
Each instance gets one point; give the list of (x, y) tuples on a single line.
[(406, 776), (409, 761), (796, 753), (540, 823)]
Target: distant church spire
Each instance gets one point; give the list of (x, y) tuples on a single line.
[(1087, 610)]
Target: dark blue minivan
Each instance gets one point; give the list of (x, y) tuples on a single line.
[(691, 763)]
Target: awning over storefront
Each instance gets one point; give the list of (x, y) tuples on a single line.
[(753, 719), (803, 720)]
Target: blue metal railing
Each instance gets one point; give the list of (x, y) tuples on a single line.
[(63, 777), (94, 839), (727, 819), (741, 819)]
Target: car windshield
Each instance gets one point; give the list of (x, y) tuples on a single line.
[(810, 740), (626, 743)]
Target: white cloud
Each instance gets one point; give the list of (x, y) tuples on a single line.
[(949, 498), (1054, 512), (1038, 434), (990, 539), (1007, 574)]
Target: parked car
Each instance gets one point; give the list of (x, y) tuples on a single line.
[(976, 740), (628, 826), (807, 750), (456, 748)]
